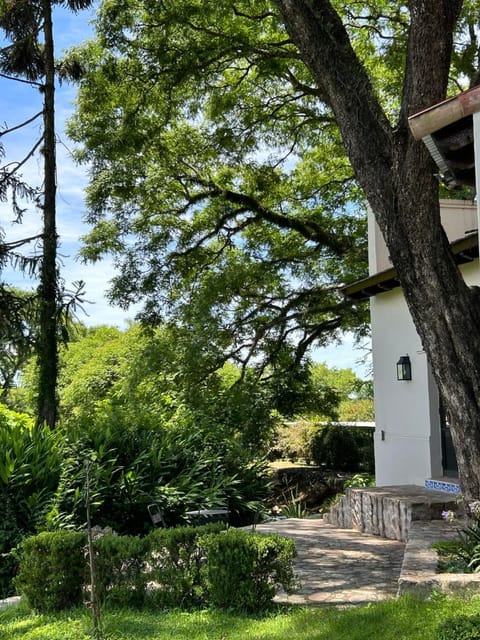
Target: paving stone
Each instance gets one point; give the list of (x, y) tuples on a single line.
[(339, 566)]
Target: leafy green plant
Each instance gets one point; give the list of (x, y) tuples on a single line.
[(174, 561), (463, 553), (342, 448), (52, 570), (120, 569), (360, 480), (294, 508), (459, 628), (453, 557), (29, 469), (243, 569)]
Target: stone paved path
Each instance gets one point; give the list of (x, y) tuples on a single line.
[(339, 566)]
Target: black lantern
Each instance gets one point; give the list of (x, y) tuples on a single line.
[(404, 368)]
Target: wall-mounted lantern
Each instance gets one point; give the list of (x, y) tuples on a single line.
[(404, 368)]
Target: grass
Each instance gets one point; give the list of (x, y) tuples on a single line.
[(404, 619)]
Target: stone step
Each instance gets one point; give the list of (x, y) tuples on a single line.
[(389, 511)]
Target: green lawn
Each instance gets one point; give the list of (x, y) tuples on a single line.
[(406, 619)]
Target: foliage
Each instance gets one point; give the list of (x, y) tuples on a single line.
[(335, 394), (17, 331), (294, 508), (293, 441), (360, 480), (161, 570), (176, 560), (145, 378), (342, 448), (463, 553), (341, 394), (460, 628), (244, 248), (120, 569), (156, 433), (53, 570), (243, 569), (30, 459), (180, 567)]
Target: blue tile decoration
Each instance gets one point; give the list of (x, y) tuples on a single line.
[(441, 485)]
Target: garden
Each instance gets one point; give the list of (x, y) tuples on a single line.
[(140, 426)]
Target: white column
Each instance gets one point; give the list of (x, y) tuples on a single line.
[(476, 138)]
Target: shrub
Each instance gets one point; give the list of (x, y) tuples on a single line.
[(243, 569), (342, 448), (175, 560), (459, 628), (52, 570), (29, 469), (187, 566), (120, 569), (293, 441)]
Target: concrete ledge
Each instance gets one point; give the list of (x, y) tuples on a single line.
[(419, 575)]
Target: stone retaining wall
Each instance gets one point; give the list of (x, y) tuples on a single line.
[(388, 511), (412, 515)]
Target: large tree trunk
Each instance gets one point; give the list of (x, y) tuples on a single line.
[(396, 174), (48, 289)]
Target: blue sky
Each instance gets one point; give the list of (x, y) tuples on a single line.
[(19, 102)]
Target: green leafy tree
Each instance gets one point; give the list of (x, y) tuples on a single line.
[(250, 248), (233, 146), (351, 397)]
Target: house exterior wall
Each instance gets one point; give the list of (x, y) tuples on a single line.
[(407, 434), (403, 412), (459, 217)]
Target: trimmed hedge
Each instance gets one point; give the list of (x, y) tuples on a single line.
[(53, 570), (182, 567), (120, 569), (244, 569), (175, 561)]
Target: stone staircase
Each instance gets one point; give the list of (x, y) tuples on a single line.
[(389, 511), (413, 515)]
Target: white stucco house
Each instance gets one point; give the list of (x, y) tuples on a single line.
[(412, 438)]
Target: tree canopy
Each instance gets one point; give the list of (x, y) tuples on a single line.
[(204, 139), (233, 146)]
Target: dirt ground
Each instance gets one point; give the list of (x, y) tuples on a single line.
[(309, 485)]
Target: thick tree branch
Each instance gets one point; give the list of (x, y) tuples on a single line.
[(309, 229), (321, 38)]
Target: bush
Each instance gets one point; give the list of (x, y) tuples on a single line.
[(175, 561), (120, 569), (29, 469), (243, 569), (342, 448), (293, 441), (459, 628), (187, 566), (52, 570)]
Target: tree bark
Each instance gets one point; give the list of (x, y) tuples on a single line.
[(48, 288), (396, 174)]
